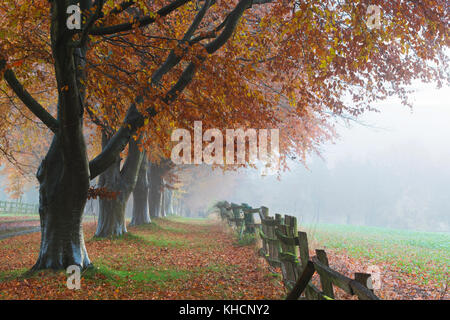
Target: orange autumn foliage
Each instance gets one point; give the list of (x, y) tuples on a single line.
[(293, 65)]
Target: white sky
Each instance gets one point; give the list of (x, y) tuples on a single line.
[(424, 131)]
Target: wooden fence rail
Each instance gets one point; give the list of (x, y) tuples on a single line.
[(18, 208), (284, 247)]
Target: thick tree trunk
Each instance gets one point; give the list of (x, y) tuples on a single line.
[(62, 197), (140, 213), (111, 219), (64, 173)]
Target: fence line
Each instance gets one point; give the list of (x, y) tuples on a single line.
[(18, 208), (284, 247)]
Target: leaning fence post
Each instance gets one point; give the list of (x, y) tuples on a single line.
[(327, 286), (302, 282), (304, 258)]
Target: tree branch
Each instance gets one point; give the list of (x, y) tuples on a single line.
[(90, 23), (142, 22), (35, 107), (230, 25), (122, 7), (132, 163), (172, 60), (133, 121)]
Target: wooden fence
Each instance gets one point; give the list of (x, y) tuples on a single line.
[(284, 247), (17, 207)]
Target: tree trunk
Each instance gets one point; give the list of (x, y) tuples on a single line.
[(174, 204), (162, 206), (111, 219), (154, 196), (181, 208), (168, 208), (64, 173), (62, 197), (140, 213)]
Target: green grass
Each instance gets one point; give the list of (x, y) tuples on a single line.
[(426, 255), (247, 239), (160, 276), (120, 277), (160, 241), (12, 274), (154, 226), (156, 240), (188, 220)]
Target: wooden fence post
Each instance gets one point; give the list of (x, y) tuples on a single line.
[(311, 292), (264, 212), (304, 249), (238, 221), (270, 241), (327, 285), (288, 253), (249, 221)]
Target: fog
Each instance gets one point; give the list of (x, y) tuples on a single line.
[(391, 169)]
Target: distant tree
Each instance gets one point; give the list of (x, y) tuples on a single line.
[(140, 214)]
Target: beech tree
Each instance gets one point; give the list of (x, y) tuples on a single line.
[(111, 219), (232, 63), (140, 214), (156, 174)]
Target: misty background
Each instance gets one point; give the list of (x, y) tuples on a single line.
[(391, 169)]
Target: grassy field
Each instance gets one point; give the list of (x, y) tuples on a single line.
[(423, 256)]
